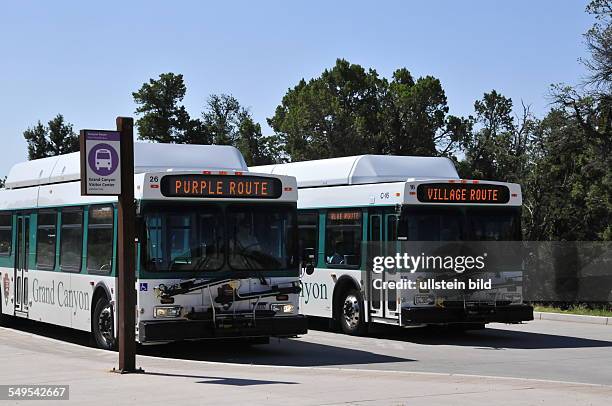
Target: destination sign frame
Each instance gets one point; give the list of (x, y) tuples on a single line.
[(211, 186), (463, 193)]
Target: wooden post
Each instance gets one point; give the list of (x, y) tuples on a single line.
[(126, 295)]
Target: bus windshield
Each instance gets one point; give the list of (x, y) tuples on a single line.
[(215, 237), (461, 223)]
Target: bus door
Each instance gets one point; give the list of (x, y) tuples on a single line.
[(392, 308), (375, 245), (22, 248)]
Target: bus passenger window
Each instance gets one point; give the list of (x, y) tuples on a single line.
[(343, 238), (71, 245), (100, 240), (308, 236), (45, 239), (6, 233)]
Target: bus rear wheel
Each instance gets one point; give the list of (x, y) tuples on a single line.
[(352, 314), (103, 325)]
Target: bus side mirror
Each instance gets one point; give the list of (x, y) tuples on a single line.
[(308, 256)]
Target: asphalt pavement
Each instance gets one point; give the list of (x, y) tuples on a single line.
[(534, 363)]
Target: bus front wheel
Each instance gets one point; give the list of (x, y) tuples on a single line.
[(352, 314), (103, 326)]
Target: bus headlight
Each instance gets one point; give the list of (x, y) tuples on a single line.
[(282, 307), (513, 297), (424, 299), (167, 311)]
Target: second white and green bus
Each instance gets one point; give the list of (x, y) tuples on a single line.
[(352, 208)]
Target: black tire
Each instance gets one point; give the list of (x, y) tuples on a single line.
[(351, 313), (103, 325)]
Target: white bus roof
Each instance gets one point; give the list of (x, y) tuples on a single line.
[(363, 169), (148, 157)]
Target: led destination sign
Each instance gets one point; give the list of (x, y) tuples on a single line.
[(462, 193), (221, 186)]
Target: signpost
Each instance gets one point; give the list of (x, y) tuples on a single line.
[(107, 168), (100, 162)]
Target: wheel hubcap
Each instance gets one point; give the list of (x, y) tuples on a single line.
[(351, 311), (105, 324)]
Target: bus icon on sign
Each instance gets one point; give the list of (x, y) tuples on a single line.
[(104, 159)]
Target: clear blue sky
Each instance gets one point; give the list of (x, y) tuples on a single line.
[(84, 60)]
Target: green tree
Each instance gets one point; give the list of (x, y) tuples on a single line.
[(336, 114), (56, 138), (568, 182), (163, 117), (568, 191), (599, 45), (417, 120), (349, 110), (484, 147), (498, 147), (226, 122), (2, 182), (221, 119)]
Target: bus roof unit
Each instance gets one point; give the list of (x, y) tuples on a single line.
[(148, 157), (363, 169)]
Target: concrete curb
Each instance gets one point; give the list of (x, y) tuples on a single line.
[(574, 318)]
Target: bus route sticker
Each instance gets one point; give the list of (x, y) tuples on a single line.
[(6, 283), (100, 162)]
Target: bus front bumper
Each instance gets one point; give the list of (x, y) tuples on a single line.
[(473, 314), (175, 330)]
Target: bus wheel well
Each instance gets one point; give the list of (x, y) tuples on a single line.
[(98, 293), (343, 285)]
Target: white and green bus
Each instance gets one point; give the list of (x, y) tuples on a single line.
[(216, 248), (352, 208)]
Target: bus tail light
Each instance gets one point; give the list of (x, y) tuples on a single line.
[(167, 311)]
